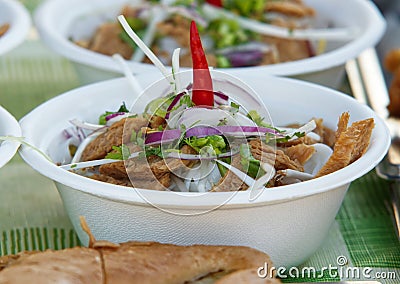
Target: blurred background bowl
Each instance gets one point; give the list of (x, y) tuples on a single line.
[(288, 222), (12, 12), (57, 21), (9, 126)]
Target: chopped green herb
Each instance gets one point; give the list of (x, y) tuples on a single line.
[(223, 62), (227, 32), (120, 153), (249, 163), (235, 105), (217, 142)]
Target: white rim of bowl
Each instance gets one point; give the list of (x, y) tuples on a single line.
[(241, 199), (11, 128), (20, 24), (375, 29)]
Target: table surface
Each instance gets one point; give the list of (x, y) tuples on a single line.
[(32, 215)]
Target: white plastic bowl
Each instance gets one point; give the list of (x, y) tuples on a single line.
[(14, 13), (289, 222), (57, 20), (9, 126)]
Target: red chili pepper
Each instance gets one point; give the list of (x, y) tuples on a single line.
[(202, 93), (217, 3)]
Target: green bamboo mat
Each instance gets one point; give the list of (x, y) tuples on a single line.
[(32, 216)]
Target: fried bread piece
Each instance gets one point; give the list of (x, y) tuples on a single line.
[(70, 266), (135, 262), (166, 263)]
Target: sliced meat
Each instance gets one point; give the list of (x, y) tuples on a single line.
[(289, 49), (300, 153), (4, 28), (342, 124), (107, 40), (289, 8), (268, 154), (102, 144), (230, 181), (152, 172)]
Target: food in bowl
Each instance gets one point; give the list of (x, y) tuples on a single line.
[(4, 28), (228, 44), (119, 214), (306, 209), (58, 23), (200, 139), (211, 149), (137, 262)]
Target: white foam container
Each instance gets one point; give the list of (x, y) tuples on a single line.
[(15, 14), (288, 222), (9, 126), (57, 20)]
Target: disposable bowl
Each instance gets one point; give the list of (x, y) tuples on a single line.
[(9, 126), (15, 14), (288, 222), (57, 21)]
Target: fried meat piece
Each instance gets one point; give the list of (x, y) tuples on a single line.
[(4, 28), (392, 64), (342, 124), (268, 154), (107, 40), (350, 145), (230, 181), (289, 49), (300, 153), (392, 60), (394, 93), (118, 133), (327, 135), (289, 8), (151, 172)]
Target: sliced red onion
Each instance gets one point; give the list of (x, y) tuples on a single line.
[(85, 125), (182, 156), (167, 136), (219, 97), (111, 116), (245, 58), (174, 102), (263, 47), (218, 101)]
